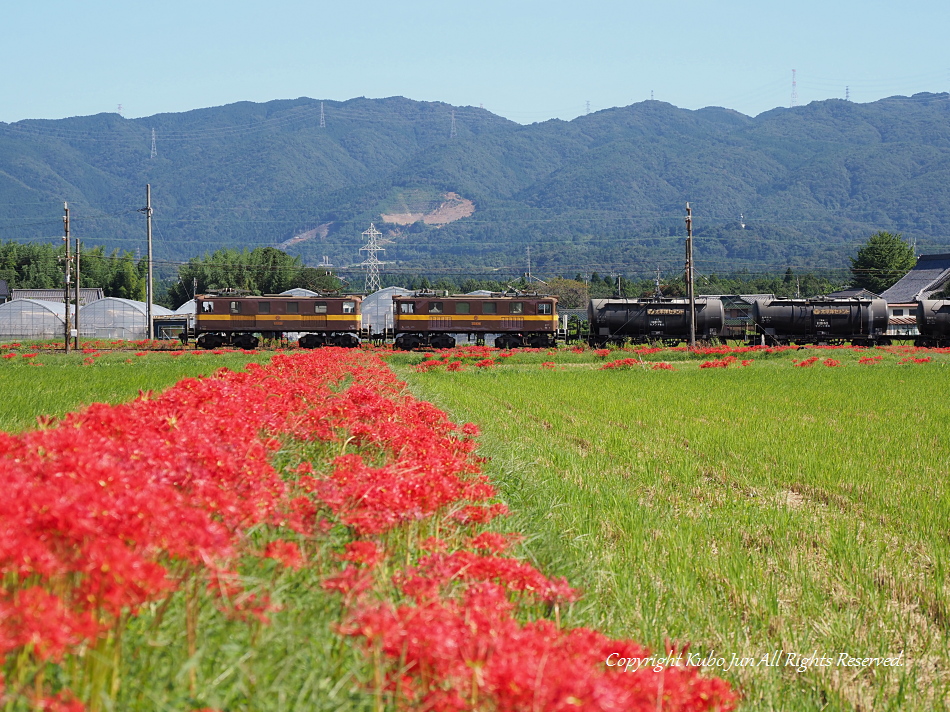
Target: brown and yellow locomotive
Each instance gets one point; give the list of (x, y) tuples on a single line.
[(426, 319), (236, 320)]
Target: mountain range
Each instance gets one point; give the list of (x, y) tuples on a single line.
[(461, 190)]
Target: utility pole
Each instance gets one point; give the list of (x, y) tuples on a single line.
[(67, 325), (76, 292), (148, 285), (529, 264), (690, 287)]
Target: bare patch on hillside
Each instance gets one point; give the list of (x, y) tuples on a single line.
[(320, 231), (453, 207)]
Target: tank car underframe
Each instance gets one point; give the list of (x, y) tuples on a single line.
[(818, 340)]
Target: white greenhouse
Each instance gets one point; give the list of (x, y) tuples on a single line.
[(32, 319), (377, 308), (116, 318)]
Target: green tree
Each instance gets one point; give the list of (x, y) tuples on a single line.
[(881, 261)]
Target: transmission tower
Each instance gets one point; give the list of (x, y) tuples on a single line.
[(371, 263), (154, 145), (847, 93), (323, 119), (452, 133), (588, 106), (794, 101)]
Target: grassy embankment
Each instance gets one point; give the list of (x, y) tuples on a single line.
[(746, 511)]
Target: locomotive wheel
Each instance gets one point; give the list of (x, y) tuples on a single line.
[(539, 341), (407, 342), (209, 341), (246, 341), (506, 342), (346, 341), (442, 341), (312, 341)]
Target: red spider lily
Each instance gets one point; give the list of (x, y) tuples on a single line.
[(485, 363), (915, 360), (548, 364), (621, 364), (286, 552), (602, 353), (831, 363), (32, 355), (663, 366), (807, 363), (9, 355), (870, 359), (472, 654), (457, 366)]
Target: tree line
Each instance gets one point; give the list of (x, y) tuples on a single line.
[(880, 262)]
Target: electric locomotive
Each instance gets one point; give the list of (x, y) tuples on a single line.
[(222, 319), (430, 320)]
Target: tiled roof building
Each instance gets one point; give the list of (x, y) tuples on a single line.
[(929, 275)]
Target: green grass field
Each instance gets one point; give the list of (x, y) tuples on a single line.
[(51, 383), (744, 511)]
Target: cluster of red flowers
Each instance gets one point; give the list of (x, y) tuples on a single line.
[(116, 506), (912, 359), (622, 363), (870, 359), (727, 362)]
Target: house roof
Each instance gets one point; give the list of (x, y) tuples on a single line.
[(852, 292), (929, 275)]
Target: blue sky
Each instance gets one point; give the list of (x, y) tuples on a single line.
[(523, 59)]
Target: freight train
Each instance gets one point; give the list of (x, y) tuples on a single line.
[(428, 320), (236, 320)]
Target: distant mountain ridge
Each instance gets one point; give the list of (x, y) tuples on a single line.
[(604, 192)]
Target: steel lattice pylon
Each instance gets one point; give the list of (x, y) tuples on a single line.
[(371, 263)]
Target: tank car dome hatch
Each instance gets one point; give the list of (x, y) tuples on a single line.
[(117, 318), (32, 319)]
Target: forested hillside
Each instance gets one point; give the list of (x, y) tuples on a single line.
[(605, 192)]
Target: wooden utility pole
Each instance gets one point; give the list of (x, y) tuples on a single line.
[(67, 324), (690, 286), (76, 292), (148, 285)]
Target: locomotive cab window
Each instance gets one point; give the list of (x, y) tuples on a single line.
[(517, 308), (235, 307), (263, 307), (489, 308), (320, 308), (349, 307), (544, 307), (293, 307), (207, 306), (462, 308), (407, 308), (436, 308)]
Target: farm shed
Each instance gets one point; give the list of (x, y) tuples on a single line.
[(116, 318), (32, 319)]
